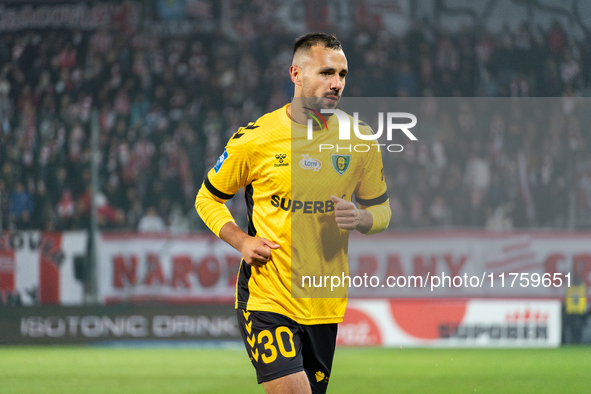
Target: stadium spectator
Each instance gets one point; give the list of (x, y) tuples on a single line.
[(20, 207), (108, 216), (151, 222), (42, 203), (3, 202), (178, 221), (65, 208)]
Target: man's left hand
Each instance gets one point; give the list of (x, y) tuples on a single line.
[(349, 217)]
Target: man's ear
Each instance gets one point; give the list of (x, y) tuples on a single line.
[(296, 75)]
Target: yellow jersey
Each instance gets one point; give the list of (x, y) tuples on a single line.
[(288, 183)]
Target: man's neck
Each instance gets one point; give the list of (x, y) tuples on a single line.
[(296, 112)]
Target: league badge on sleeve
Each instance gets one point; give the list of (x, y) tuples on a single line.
[(221, 161), (340, 163)]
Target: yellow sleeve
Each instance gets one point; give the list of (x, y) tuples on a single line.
[(230, 173), (371, 191), (371, 187), (381, 214), (212, 210)]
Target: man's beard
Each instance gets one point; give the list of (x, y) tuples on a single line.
[(313, 102), (318, 103)]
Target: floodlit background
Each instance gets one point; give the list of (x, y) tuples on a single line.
[(112, 112)]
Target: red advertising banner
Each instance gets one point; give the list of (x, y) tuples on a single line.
[(201, 268), (192, 268), (468, 264), (451, 322), (37, 268)]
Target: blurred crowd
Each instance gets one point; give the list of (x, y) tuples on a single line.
[(496, 163), (165, 106)]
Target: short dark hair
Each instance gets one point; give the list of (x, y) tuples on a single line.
[(309, 40)]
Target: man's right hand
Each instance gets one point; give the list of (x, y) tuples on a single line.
[(256, 251)]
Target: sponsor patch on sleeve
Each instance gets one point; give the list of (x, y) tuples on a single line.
[(221, 161)]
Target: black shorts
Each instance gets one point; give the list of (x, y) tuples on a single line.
[(279, 346)]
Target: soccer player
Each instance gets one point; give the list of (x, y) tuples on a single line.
[(300, 213)]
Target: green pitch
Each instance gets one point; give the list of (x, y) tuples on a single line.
[(356, 370)]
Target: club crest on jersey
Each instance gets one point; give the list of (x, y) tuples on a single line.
[(340, 163), (310, 163), (221, 161)]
